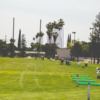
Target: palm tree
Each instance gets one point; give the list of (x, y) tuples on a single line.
[(60, 24), (39, 36), (49, 27), (55, 35)]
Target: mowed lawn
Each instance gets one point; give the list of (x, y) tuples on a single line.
[(36, 79)]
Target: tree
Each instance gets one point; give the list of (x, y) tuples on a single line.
[(85, 49), (23, 45), (60, 24), (95, 39), (19, 40), (39, 37), (69, 44), (54, 25), (50, 50), (49, 32), (3, 48), (12, 48), (52, 32), (76, 50), (55, 35)]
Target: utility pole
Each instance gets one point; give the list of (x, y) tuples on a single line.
[(12, 40), (40, 24), (13, 27), (40, 37)]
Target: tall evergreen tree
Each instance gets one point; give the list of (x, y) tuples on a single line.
[(69, 44), (19, 40), (70, 38), (23, 45)]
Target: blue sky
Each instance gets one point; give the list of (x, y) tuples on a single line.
[(77, 14)]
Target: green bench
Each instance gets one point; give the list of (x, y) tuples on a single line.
[(84, 80)]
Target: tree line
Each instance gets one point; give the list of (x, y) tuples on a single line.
[(78, 48), (87, 49), (8, 49)]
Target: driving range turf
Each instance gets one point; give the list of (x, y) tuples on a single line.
[(36, 79)]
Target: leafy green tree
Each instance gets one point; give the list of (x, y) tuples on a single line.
[(76, 50), (85, 49), (50, 50), (95, 39)]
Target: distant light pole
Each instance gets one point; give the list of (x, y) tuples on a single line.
[(74, 36), (13, 34)]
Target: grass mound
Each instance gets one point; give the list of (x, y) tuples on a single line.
[(36, 79)]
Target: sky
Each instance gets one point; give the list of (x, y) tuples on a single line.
[(78, 16)]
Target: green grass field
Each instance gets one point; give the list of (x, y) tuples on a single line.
[(35, 79)]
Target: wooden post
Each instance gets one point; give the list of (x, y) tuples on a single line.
[(88, 95)]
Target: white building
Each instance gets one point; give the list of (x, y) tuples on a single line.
[(63, 53), (60, 38)]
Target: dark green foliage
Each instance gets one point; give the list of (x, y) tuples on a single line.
[(23, 45), (49, 27), (12, 48), (3, 48), (54, 25), (19, 40), (95, 39), (51, 47), (76, 50), (50, 50), (81, 49), (85, 49), (38, 44), (69, 44)]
